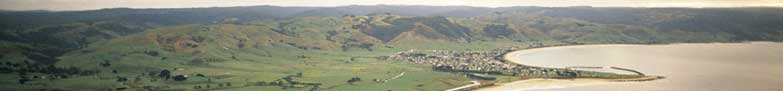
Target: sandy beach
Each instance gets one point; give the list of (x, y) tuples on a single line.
[(754, 66), (531, 84)]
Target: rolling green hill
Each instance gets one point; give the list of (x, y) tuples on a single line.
[(323, 48)]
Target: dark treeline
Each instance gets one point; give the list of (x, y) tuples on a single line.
[(28, 71)]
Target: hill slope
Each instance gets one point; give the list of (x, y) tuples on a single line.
[(303, 48)]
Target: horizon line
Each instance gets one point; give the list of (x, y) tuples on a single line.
[(294, 6)]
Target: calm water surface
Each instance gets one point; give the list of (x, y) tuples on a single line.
[(754, 66)]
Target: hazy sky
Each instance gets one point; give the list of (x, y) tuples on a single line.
[(97, 4)]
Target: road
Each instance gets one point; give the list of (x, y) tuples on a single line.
[(475, 83)]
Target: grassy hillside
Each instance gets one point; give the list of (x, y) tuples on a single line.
[(53, 33), (313, 49), (243, 54)]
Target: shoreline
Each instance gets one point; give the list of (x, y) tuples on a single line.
[(544, 83), (541, 83)]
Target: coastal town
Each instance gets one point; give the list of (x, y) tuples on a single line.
[(492, 63)]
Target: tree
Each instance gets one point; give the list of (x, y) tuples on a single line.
[(165, 74), (354, 79), (23, 80), (122, 79), (180, 78), (105, 64)]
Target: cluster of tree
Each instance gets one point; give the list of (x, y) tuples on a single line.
[(208, 86), (49, 71), (354, 79), (288, 82)]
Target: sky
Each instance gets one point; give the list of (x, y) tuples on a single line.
[(69, 5)]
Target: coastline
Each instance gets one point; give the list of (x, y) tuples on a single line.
[(545, 83), (542, 83)]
